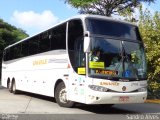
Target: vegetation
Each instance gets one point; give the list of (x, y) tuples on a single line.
[(150, 30), (106, 7)]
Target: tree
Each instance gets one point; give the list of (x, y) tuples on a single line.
[(150, 30), (8, 35), (105, 7)]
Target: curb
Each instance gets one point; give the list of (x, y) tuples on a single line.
[(153, 101)]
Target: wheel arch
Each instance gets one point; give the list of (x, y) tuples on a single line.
[(57, 82)]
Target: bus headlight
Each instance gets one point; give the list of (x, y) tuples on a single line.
[(142, 89), (98, 88)]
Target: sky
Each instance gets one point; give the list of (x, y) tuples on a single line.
[(34, 16)]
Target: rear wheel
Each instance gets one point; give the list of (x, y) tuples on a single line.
[(61, 96), (14, 87), (10, 86)]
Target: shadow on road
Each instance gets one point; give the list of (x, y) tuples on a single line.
[(99, 109), (104, 109), (123, 108)]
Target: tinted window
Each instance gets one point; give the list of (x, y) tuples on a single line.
[(17, 51), (75, 31), (44, 42), (11, 53), (33, 45), (113, 28), (58, 37), (52, 39), (24, 50), (75, 44)]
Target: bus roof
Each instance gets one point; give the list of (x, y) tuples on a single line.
[(83, 17)]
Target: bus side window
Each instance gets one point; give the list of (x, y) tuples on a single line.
[(24, 51), (58, 39), (33, 45), (44, 42), (17, 51), (11, 53)]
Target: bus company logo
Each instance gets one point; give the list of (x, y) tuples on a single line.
[(39, 62), (109, 83), (124, 88)]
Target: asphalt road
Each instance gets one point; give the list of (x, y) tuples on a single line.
[(30, 106)]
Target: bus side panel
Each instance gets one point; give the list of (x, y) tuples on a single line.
[(37, 73)]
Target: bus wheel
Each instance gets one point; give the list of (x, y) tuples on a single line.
[(10, 87), (8, 82), (14, 88), (61, 96)]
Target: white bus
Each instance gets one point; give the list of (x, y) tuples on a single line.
[(57, 63)]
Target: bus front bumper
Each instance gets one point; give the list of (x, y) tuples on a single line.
[(96, 97)]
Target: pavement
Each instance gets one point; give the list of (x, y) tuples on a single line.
[(27, 103)]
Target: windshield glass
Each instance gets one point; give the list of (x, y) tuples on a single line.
[(113, 28), (112, 58)]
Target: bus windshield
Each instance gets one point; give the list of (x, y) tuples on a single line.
[(112, 58), (117, 50), (113, 29)]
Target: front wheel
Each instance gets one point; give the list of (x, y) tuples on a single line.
[(61, 96)]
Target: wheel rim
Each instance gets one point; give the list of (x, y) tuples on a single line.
[(63, 96)]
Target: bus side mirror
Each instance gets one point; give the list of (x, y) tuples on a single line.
[(86, 42)]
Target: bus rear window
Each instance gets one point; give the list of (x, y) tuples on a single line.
[(113, 29)]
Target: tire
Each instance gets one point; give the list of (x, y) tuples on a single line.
[(14, 90), (8, 82), (60, 96), (10, 87)]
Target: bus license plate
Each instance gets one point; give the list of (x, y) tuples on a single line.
[(123, 98)]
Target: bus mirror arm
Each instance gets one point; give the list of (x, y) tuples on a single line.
[(87, 42)]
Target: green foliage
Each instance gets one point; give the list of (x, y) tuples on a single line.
[(106, 7), (80, 3), (150, 30), (9, 34)]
